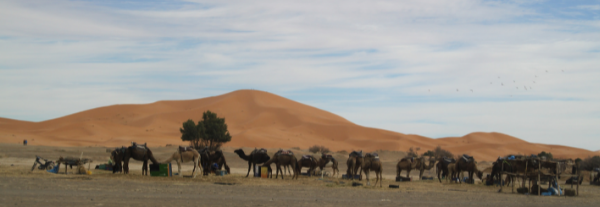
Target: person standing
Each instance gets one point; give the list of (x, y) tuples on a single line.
[(24, 142)]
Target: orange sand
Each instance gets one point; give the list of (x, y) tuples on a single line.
[(255, 119)]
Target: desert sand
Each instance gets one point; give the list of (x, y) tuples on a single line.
[(255, 119)]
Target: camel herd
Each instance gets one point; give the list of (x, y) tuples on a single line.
[(357, 163)]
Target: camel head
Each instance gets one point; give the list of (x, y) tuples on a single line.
[(239, 151), (479, 174)]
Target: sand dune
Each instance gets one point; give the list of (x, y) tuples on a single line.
[(255, 119)]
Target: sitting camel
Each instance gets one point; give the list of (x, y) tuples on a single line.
[(307, 161), (409, 163), (283, 158), (354, 162), (209, 157), (371, 163), (326, 159), (183, 155), (255, 157)]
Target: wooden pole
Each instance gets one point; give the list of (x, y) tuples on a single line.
[(578, 175), (539, 182), (557, 163)]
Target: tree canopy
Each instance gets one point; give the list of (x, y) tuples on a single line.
[(210, 132)]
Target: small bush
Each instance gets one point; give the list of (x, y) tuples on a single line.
[(590, 163), (439, 152), (296, 148), (316, 149), (342, 152), (545, 154), (412, 153)]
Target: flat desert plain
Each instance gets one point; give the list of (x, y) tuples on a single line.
[(19, 186)]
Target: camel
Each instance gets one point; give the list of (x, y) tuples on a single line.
[(371, 163), (255, 157), (502, 165), (210, 157), (408, 165), (442, 167), (307, 161), (183, 155), (469, 165), (452, 173), (354, 162), (137, 152), (283, 158), (326, 159)]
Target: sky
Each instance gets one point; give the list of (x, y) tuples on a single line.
[(529, 69)]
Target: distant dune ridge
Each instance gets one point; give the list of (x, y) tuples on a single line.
[(255, 119)]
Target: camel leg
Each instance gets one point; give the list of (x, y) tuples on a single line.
[(145, 168), (179, 168), (249, 165), (195, 162), (407, 173), (367, 175)]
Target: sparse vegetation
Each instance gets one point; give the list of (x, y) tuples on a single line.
[(210, 132), (316, 149), (439, 152), (342, 152), (429, 153), (548, 155), (412, 153), (590, 163), (296, 148)]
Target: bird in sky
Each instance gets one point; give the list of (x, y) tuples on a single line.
[(501, 83), (471, 90), (457, 90)]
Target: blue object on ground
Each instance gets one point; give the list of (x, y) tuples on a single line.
[(54, 170)]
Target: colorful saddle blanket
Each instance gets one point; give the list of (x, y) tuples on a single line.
[(185, 149), (467, 158), (356, 154), (285, 152), (307, 157)]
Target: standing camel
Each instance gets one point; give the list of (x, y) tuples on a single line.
[(354, 162), (137, 152), (442, 166), (326, 159), (408, 165), (307, 161), (468, 164), (283, 158), (209, 157), (183, 155), (255, 157), (452, 173), (371, 163)]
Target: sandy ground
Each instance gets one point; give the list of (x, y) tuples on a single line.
[(19, 186)]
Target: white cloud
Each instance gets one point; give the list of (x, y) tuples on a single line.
[(71, 56)]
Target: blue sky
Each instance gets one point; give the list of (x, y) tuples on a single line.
[(529, 69)]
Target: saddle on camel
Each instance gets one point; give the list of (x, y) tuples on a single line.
[(307, 161)]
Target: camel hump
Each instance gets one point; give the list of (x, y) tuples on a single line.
[(139, 146), (307, 157), (356, 154), (467, 158), (185, 148), (261, 150)]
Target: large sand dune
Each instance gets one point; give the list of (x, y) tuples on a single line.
[(255, 119)]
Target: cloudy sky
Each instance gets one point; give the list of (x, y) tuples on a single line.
[(530, 69)]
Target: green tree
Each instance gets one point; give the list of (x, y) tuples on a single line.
[(548, 155), (190, 133), (213, 130), (210, 132), (429, 153)]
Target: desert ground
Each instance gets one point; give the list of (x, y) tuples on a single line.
[(19, 186)]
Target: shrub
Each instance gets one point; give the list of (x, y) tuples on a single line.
[(439, 152), (590, 163), (316, 149)]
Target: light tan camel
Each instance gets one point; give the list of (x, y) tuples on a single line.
[(282, 159), (417, 163), (371, 163), (183, 155), (452, 173), (354, 162), (334, 164)]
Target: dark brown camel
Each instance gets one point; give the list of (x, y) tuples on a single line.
[(442, 167), (257, 156), (470, 166), (354, 162), (137, 152), (371, 163), (283, 158), (326, 159), (210, 157), (307, 161)]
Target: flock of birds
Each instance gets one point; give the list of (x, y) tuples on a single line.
[(525, 87)]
